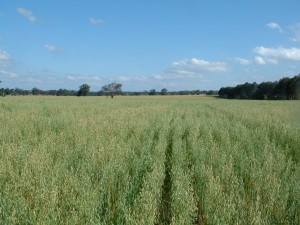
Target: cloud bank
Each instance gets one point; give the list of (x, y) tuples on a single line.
[(280, 53), (195, 65), (191, 68)]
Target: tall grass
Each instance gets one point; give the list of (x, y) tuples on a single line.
[(148, 160)]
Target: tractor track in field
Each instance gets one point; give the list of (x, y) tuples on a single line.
[(165, 208), (200, 215)]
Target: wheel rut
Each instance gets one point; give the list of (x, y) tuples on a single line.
[(165, 209)]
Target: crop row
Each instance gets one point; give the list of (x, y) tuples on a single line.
[(147, 162)]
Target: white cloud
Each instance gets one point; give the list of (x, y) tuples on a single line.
[(296, 30), (279, 53), (5, 59), (94, 21), (274, 26), (124, 78), (158, 77), (132, 78), (196, 65), (43, 79), (170, 76), (243, 61), (7, 74), (34, 80), (140, 78), (71, 77), (83, 78), (27, 14), (271, 61), (173, 74), (93, 78), (262, 61), (52, 48), (191, 69)]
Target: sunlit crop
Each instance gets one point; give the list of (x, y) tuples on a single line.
[(149, 160)]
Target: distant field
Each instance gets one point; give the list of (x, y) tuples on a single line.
[(149, 160)]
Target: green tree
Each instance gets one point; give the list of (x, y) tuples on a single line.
[(152, 92), (295, 87), (2, 90), (164, 91), (36, 91), (84, 90), (112, 89)]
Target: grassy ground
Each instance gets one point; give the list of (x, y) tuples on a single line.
[(149, 160)]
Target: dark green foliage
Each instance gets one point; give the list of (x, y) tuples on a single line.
[(152, 92), (36, 91), (285, 88), (164, 91), (2, 90), (84, 90)]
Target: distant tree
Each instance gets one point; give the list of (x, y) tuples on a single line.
[(112, 89), (197, 92), (164, 91), (7, 91), (36, 91), (295, 88), (184, 92), (100, 93), (2, 90), (60, 92), (18, 91), (266, 90), (84, 90), (50, 92), (152, 92), (282, 88), (249, 90), (285, 88)]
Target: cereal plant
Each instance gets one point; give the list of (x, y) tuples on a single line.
[(149, 160)]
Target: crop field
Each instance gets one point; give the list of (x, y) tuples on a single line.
[(149, 160)]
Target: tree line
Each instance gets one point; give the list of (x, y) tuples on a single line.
[(111, 90), (284, 89)]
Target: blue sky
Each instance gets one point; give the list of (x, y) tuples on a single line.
[(147, 44)]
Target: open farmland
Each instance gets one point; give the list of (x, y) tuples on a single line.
[(149, 160)]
